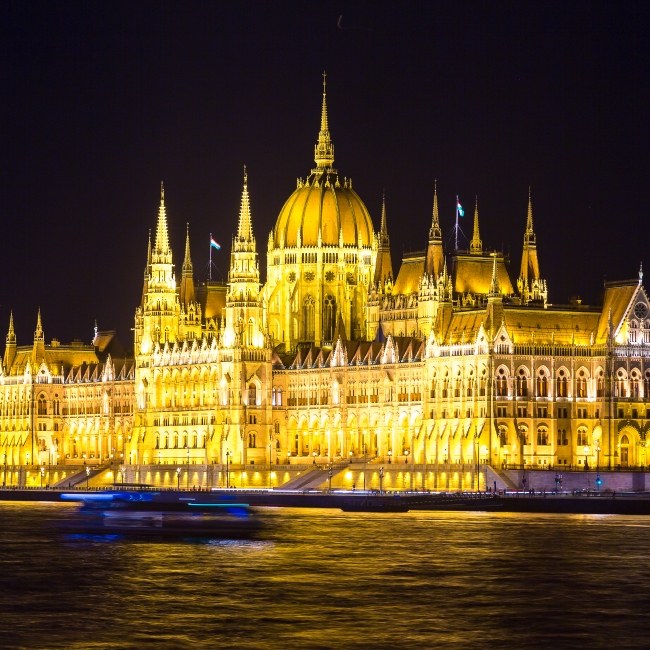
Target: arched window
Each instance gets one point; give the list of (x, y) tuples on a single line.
[(646, 385), (503, 436), (309, 318), (42, 405), (542, 384), (166, 442), (502, 383), (249, 336), (600, 384), (329, 318), (542, 436), (194, 441), (621, 384), (632, 334), (279, 397), (581, 384), (625, 440), (175, 441), (562, 438), (583, 437), (157, 441), (252, 394), (522, 384), (252, 440), (635, 384), (562, 384)]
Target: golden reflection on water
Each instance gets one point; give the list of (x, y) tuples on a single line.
[(328, 579)]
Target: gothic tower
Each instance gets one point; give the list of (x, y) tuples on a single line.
[(383, 278), (157, 320), (245, 324), (435, 255), (530, 285)]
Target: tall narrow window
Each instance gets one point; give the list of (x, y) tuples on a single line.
[(309, 318), (329, 318)]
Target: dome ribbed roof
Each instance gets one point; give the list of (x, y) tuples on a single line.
[(328, 208)]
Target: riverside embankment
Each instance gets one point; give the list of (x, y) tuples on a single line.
[(568, 503)]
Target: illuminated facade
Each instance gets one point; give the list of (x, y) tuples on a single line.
[(450, 363)]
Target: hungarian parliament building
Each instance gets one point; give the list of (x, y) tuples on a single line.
[(453, 360)]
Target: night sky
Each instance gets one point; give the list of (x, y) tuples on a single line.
[(100, 101)]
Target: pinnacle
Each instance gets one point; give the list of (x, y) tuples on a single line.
[(162, 236)]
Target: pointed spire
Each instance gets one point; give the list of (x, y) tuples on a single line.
[(495, 289), (187, 261), (162, 236), (640, 272), (148, 252), (323, 116), (245, 228), (38, 334), (324, 149), (529, 236), (435, 232), (11, 335), (383, 229), (476, 245)]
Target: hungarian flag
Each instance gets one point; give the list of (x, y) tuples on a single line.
[(459, 207), (214, 244)]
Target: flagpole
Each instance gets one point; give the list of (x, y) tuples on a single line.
[(210, 267), (456, 221)]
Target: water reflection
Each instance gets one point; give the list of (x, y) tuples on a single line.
[(327, 579)]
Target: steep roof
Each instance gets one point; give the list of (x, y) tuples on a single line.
[(618, 296), (473, 274), (410, 274)]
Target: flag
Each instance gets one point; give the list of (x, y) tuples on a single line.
[(459, 207), (214, 244)]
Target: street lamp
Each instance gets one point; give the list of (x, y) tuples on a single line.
[(314, 455), (597, 450), (228, 468), (87, 475), (329, 478), (123, 469), (390, 456), (178, 477), (586, 454), (381, 479), (42, 475), (350, 457)]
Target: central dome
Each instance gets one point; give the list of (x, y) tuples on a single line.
[(323, 204)]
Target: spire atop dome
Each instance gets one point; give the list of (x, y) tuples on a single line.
[(323, 117), (383, 229), (245, 228), (324, 149), (476, 245)]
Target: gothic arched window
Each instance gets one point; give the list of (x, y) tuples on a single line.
[(329, 318), (309, 318)]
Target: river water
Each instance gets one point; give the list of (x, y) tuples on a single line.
[(327, 579)]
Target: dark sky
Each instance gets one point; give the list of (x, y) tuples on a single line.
[(99, 101)]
